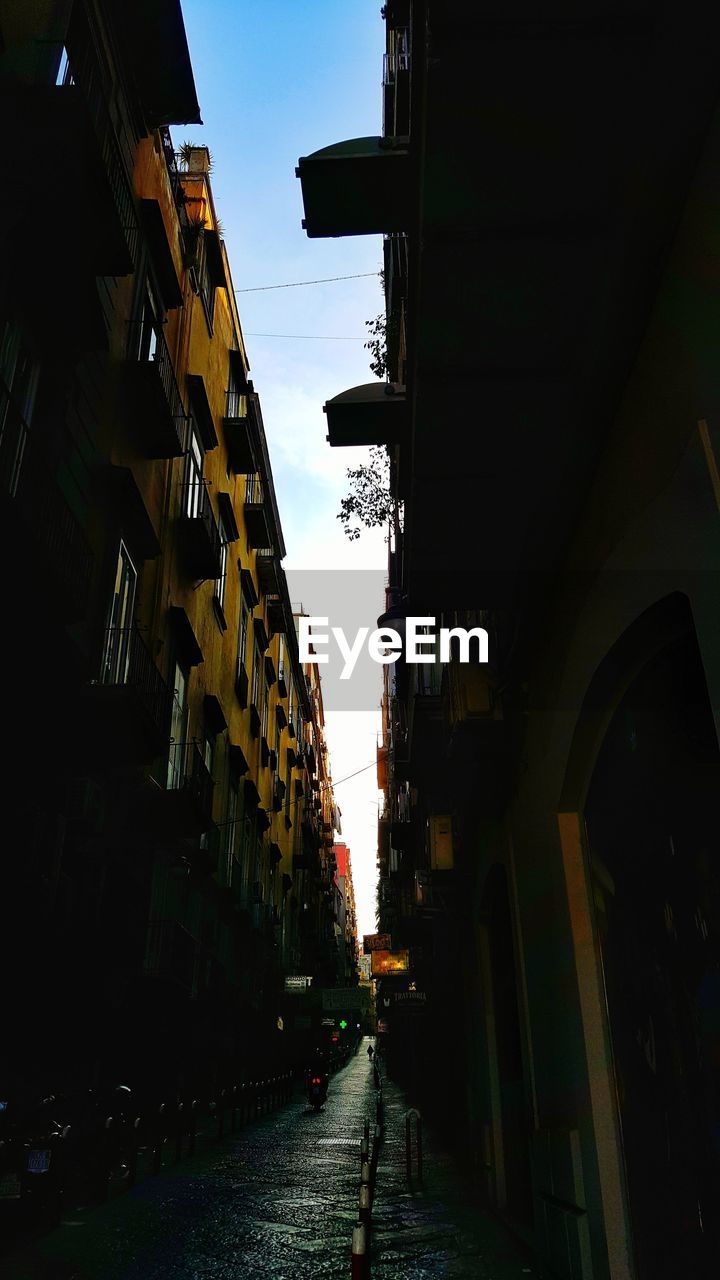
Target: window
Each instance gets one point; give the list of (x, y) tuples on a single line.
[(265, 713), (220, 582), (148, 326), (257, 676), (229, 831), (236, 397), (178, 728), (281, 657), (116, 654), (243, 634), (209, 752), (290, 703), (253, 488), (193, 474), (206, 283)]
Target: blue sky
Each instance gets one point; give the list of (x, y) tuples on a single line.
[(277, 80)]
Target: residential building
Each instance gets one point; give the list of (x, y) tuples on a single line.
[(153, 682)]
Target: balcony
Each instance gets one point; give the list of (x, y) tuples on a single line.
[(259, 534), (268, 571), (276, 616), (170, 954), (184, 806), (354, 188), (39, 525), (282, 686), (238, 434), (396, 88), (65, 144), (198, 533), (158, 414), (127, 711)]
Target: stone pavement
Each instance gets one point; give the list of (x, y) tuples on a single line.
[(436, 1229), (277, 1201)]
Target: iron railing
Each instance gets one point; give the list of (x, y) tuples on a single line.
[(235, 404), (161, 362), (188, 772), (81, 74), (196, 506), (394, 62), (127, 661)]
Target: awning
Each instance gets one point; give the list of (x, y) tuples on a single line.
[(374, 413), (357, 187)]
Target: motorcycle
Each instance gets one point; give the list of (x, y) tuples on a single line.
[(317, 1088)]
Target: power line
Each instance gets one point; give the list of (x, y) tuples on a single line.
[(326, 337), (298, 284)]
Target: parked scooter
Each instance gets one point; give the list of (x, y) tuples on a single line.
[(42, 1157)]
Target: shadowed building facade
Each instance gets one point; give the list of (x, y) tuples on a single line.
[(151, 906), (546, 184)]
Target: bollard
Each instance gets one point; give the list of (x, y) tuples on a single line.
[(193, 1128), (360, 1260), (366, 1132), (133, 1154), (364, 1150), (408, 1143), (379, 1108), (377, 1139), (179, 1132), (104, 1188), (364, 1205), (365, 1173), (159, 1138)]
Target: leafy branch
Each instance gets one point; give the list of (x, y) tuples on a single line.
[(370, 503)]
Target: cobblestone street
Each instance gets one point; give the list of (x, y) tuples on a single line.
[(279, 1200)]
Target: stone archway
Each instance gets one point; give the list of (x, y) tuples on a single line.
[(642, 862)]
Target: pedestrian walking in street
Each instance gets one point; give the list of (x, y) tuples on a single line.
[(370, 1052)]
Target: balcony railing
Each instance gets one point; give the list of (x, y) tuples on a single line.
[(236, 404), (82, 75), (200, 535), (189, 775), (127, 661), (394, 62), (160, 414), (49, 524)]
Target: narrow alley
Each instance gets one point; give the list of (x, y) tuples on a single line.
[(279, 1200)]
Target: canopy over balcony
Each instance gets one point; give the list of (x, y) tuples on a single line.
[(374, 413), (356, 188)]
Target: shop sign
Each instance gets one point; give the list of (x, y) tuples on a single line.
[(296, 985), (389, 962), (376, 942)]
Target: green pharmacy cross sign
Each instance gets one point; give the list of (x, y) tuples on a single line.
[(343, 1024)]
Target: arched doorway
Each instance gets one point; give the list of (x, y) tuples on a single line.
[(508, 1095), (651, 817)]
